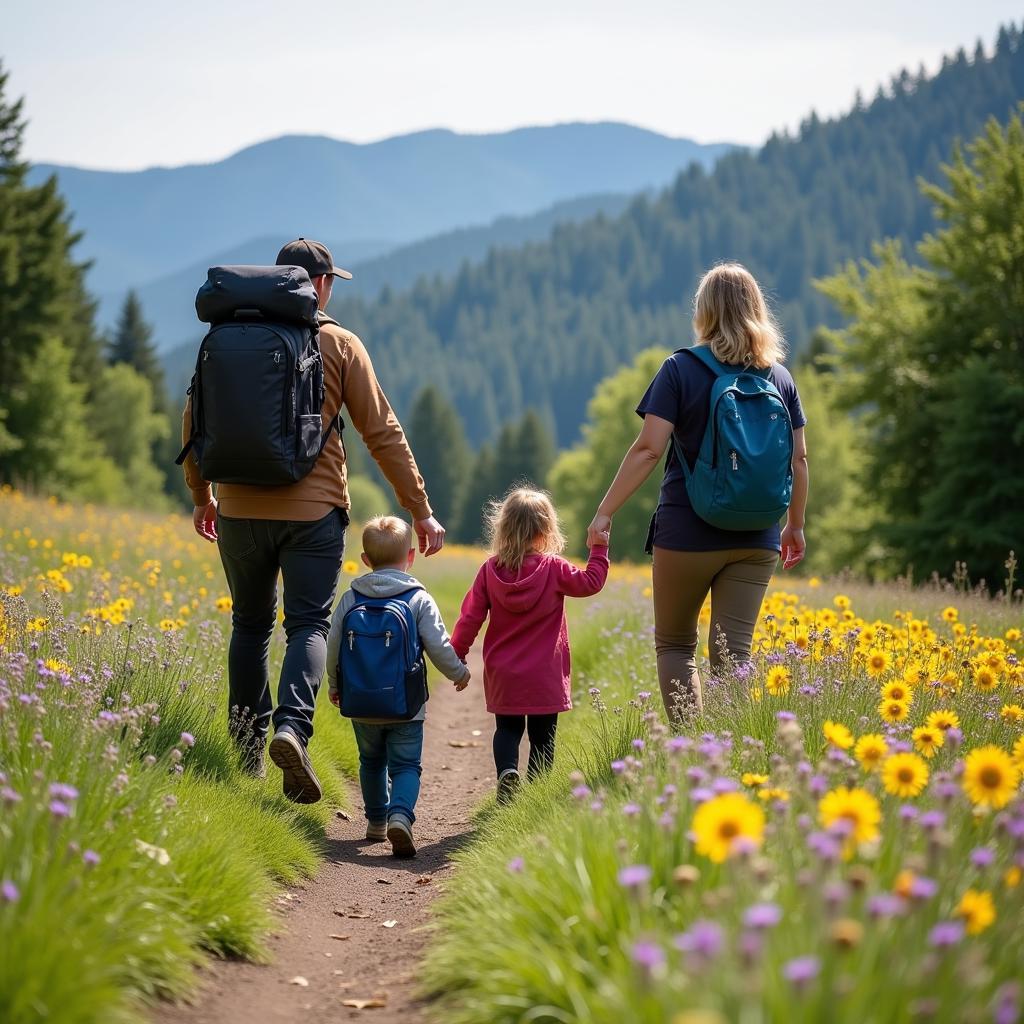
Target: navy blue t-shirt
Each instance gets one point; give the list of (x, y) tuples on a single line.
[(680, 393)]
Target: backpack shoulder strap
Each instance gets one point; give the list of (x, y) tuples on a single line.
[(704, 355)]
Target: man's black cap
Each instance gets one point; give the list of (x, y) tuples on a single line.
[(314, 257)]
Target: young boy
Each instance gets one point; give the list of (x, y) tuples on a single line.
[(390, 748)]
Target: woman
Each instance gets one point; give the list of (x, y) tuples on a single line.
[(692, 557)]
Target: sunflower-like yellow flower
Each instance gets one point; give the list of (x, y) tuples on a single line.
[(858, 807), (838, 735), (943, 720), (841, 601), (1018, 753), (1012, 635), (977, 909), (894, 710), (927, 740), (777, 680), (720, 823), (904, 774), (870, 750), (1011, 713), (990, 777), (950, 614), (877, 662), (753, 779), (350, 568), (898, 690), (985, 678)]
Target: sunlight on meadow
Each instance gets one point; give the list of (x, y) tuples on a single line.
[(847, 810)]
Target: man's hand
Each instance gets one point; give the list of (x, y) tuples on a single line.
[(431, 535), (335, 698), (204, 519)]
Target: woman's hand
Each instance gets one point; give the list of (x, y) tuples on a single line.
[(793, 546), (599, 531)]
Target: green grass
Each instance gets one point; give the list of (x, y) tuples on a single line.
[(538, 926)]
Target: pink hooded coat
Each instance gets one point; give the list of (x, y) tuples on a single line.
[(526, 647)]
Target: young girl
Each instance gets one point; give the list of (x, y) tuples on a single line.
[(522, 587)]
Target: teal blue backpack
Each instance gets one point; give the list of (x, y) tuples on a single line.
[(743, 477)]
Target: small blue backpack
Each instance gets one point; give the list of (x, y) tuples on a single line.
[(381, 669), (743, 477)]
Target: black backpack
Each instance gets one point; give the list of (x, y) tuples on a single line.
[(258, 389)]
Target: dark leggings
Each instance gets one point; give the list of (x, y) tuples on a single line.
[(508, 732)]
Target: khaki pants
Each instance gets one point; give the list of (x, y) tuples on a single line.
[(737, 580)]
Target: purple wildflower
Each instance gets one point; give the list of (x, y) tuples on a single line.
[(817, 784), (516, 865), (634, 875), (701, 795), (581, 792), (647, 955), (187, 739), (618, 767), (954, 737), (9, 796), (945, 934), (983, 856), (59, 809), (825, 846), (785, 716), (802, 970), (91, 857), (62, 791), (932, 820), (922, 888), (762, 915), (885, 904), (908, 812), (704, 940), (630, 810), (9, 891), (638, 744)]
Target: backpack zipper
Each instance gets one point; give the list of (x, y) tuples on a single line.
[(387, 638), (735, 461)]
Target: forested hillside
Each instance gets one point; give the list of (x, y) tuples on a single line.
[(539, 326)]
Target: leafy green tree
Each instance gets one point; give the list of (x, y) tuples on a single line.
[(580, 476), (439, 444), (132, 343), (368, 499), (56, 451), (128, 428), (934, 356)]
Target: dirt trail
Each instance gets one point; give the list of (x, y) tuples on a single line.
[(359, 887)]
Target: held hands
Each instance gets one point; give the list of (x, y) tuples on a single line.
[(204, 519), (793, 546), (599, 531), (463, 682), (335, 698), (431, 536)]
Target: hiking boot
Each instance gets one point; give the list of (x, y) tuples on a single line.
[(288, 752), (508, 786), (400, 836), (376, 831)]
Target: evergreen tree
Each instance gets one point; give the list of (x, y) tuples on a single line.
[(525, 451), (480, 491), (439, 444), (132, 343)]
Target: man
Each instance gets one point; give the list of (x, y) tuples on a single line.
[(299, 531)]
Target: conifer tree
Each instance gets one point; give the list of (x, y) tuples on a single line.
[(480, 491), (439, 444), (132, 343)]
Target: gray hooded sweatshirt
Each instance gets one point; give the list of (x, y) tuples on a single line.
[(435, 639)]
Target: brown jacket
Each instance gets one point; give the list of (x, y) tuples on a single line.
[(351, 381)]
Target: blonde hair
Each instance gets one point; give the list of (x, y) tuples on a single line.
[(387, 540), (524, 519), (731, 317)]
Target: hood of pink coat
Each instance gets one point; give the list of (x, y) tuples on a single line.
[(521, 590)]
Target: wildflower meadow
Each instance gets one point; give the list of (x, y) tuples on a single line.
[(839, 836)]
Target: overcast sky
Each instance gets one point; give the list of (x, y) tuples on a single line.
[(133, 83)]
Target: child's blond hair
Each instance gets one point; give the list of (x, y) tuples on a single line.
[(387, 540), (731, 317), (524, 520)]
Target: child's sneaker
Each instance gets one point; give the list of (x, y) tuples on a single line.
[(508, 785), (399, 834), (376, 831)]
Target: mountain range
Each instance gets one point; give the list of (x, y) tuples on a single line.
[(141, 226)]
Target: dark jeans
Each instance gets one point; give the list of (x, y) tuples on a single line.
[(308, 556), (508, 732)]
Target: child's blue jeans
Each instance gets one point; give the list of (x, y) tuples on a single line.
[(394, 751)]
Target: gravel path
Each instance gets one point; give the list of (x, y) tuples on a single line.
[(336, 932)]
